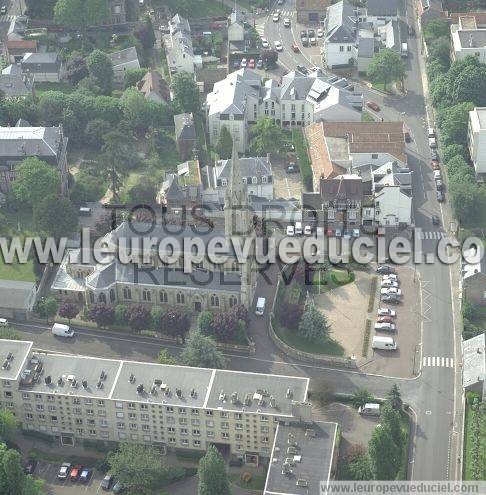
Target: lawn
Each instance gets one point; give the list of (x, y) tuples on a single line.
[(474, 442), (290, 337), (405, 425), (19, 272), (43, 87), (367, 117), (256, 482), (330, 279)]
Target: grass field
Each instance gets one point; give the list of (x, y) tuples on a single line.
[(474, 432), (257, 481)]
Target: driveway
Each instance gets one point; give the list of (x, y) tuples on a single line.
[(285, 185)]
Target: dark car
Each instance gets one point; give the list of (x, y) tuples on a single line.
[(440, 196), (439, 185), (435, 155), (107, 482), (391, 299), (292, 168), (374, 106), (305, 41), (311, 33), (236, 64), (85, 475), (385, 269), (29, 466), (118, 487), (303, 34), (435, 220), (303, 69)]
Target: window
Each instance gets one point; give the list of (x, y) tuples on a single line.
[(196, 443), (209, 413), (341, 48), (133, 426), (146, 427), (26, 396), (90, 412), (169, 409), (182, 410), (225, 425), (264, 179), (223, 414), (195, 422), (172, 440), (209, 423), (224, 182), (127, 293), (119, 405), (214, 300), (238, 416), (183, 431), (183, 421), (120, 415), (101, 402), (146, 295), (196, 432), (102, 298), (349, 48), (254, 180), (225, 435), (144, 407), (233, 301), (374, 156), (132, 416), (210, 434), (121, 435), (239, 436), (239, 426), (185, 442), (144, 417), (163, 296), (195, 411), (180, 298)]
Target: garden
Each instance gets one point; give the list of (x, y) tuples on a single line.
[(474, 459)]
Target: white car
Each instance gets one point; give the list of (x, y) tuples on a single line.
[(290, 231), (3, 322), (320, 33), (320, 232), (243, 63), (388, 291), (387, 312), (390, 276), (287, 22), (307, 230), (313, 41), (390, 327), (389, 283), (265, 43), (276, 17), (432, 142), (431, 132), (278, 46)]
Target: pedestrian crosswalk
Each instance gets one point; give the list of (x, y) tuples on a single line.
[(287, 13), (442, 362), (6, 18), (430, 235)]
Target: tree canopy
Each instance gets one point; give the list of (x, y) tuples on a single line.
[(8, 424), (186, 94), (202, 351), (212, 474), (385, 67), (100, 70), (79, 14), (56, 216), (313, 325), (267, 137), (224, 146), (384, 454)]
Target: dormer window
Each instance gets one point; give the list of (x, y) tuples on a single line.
[(254, 180)]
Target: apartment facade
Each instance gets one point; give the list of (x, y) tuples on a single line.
[(78, 397), (468, 39), (476, 139)]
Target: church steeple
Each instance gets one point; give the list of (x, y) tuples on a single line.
[(236, 201)]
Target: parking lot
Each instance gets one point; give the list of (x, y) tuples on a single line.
[(286, 185), (402, 362)]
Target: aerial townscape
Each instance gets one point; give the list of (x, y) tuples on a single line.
[(242, 247)]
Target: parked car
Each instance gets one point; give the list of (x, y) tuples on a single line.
[(386, 291), (243, 63), (440, 196), (338, 233), (303, 34), (251, 63), (389, 283), (307, 230), (408, 137), (3, 322), (384, 269), (292, 168), (390, 276), (356, 233), (386, 312), (290, 231), (374, 106), (302, 69), (265, 43), (75, 472), (305, 41), (236, 64), (85, 475), (435, 165), (278, 46), (391, 299), (29, 466), (64, 471), (435, 220), (439, 185), (434, 154), (312, 40), (286, 22), (311, 33), (319, 232), (259, 64), (320, 33), (280, 2), (432, 142), (118, 487), (388, 327), (107, 482), (431, 132), (3, 10), (347, 234), (295, 48), (276, 17), (385, 319)]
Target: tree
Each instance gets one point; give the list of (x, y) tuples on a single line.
[(357, 464), (224, 326), (435, 68), (139, 318), (186, 94), (144, 32), (466, 201), (440, 51), (391, 418), (40, 10), (175, 324), (224, 146), (452, 151), (322, 392), (100, 70), (470, 85), (69, 13), (134, 76), (144, 191), (95, 130), (68, 310), (87, 187), (395, 398), (56, 216), (34, 181), (48, 307), (453, 122), (121, 314), (138, 467), (102, 315), (269, 58), (313, 325), (290, 315), (384, 454), (202, 351), (14, 473), (360, 397), (76, 68), (205, 322), (385, 67), (156, 317), (165, 358), (212, 474), (267, 137), (8, 425), (436, 28)]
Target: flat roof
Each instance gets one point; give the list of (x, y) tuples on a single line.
[(307, 451), (474, 359), (17, 352)]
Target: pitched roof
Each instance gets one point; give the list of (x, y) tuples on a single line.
[(43, 58), (341, 23), (184, 126), (154, 85), (27, 45), (249, 167), (16, 295), (123, 57), (474, 355), (346, 186), (379, 8), (15, 85), (30, 141)]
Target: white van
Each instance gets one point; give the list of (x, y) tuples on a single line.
[(404, 50), (62, 330), (386, 343), (437, 175), (298, 228), (370, 409), (260, 306), (3, 322)]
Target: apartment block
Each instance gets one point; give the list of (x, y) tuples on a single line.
[(73, 397), (476, 139)]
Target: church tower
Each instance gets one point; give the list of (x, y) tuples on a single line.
[(238, 227)]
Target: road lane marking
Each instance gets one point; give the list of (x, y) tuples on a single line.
[(437, 362)]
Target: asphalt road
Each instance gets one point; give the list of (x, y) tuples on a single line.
[(433, 394)]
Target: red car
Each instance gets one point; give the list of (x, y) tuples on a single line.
[(251, 63), (435, 165), (385, 319), (75, 472), (295, 48), (374, 106)]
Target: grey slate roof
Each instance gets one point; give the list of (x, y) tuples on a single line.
[(12, 69), (474, 38), (249, 167), (366, 46), (41, 62), (342, 187), (184, 126), (16, 295), (180, 23), (341, 23), (15, 85), (123, 57), (30, 141), (385, 8)]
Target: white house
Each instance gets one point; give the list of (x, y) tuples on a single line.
[(380, 12), (393, 207), (178, 46), (476, 139), (122, 61), (468, 39)]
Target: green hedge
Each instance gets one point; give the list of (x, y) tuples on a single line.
[(39, 435), (303, 158)]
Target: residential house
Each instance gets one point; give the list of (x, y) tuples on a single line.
[(236, 27), (389, 35), (12, 70), (476, 140), (338, 148), (154, 87), (16, 49), (474, 365), (392, 174), (468, 39), (243, 97), (43, 66), (178, 46), (380, 12), (17, 143), (16, 86), (17, 299), (256, 172), (311, 11), (185, 135), (474, 277), (122, 61), (393, 208)]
